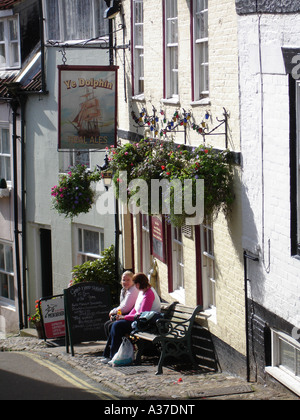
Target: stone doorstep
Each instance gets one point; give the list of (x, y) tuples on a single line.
[(28, 332)]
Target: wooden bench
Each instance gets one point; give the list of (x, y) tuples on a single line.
[(174, 334)]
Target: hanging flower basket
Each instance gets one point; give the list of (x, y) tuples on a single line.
[(74, 195), (150, 160)]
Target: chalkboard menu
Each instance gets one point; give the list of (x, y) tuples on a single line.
[(86, 307)]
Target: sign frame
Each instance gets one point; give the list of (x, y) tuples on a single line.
[(87, 107), (72, 313), (44, 316)]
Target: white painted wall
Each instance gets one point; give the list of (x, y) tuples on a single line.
[(264, 100)]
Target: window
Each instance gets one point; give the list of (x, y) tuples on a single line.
[(7, 290), (9, 42), (73, 158), (200, 53), (75, 19), (171, 49), (285, 360), (208, 266), (90, 245), (178, 265), (138, 47), (5, 167)]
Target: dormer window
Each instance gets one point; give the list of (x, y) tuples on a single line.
[(9, 42)]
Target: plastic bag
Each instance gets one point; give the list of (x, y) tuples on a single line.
[(124, 355)]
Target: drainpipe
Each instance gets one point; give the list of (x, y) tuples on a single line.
[(247, 257), (14, 107), (23, 202)]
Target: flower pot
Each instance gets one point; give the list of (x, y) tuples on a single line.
[(39, 329)]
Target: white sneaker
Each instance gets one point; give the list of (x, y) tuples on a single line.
[(105, 360)]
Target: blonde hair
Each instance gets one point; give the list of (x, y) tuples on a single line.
[(127, 274)]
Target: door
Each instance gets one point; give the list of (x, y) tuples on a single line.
[(46, 262)]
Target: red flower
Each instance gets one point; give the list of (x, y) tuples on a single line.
[(163, 167)]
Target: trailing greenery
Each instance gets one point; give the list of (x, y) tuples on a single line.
[(149, 160), (100, 271), (73, 194)]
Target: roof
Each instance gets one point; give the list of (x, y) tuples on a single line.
[(8, 4)]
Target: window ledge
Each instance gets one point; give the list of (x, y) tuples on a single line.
[(140, 97), (171, 101), (211, 313), (204, 101), (287, 380), (5, 303)]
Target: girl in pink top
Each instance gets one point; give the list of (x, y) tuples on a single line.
[(147, 300)]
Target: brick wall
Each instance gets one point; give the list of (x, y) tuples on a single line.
[(229, 325)]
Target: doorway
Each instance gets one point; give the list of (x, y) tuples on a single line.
[(46, 262)]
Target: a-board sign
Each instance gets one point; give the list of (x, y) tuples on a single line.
[(53, 316), (86, 307)]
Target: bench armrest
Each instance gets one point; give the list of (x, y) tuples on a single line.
[(175, 329)]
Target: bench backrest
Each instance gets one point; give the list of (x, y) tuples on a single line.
[(177, 312)]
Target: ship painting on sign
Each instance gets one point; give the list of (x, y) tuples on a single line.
[(88, 120)]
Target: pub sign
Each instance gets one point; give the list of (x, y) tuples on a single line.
[(87, 114)]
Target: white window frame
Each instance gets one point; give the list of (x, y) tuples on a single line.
[(208, 267), (8, 43), (60, 19), (201, 55), (171, 52), (83, 255), (138, 48), (178, 265), (280, 372), (5, 157), (10, 274)]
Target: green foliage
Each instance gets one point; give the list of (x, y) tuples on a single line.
[(149, 160), (100, 271), (73, 194)]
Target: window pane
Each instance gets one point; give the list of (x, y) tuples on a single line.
[(13, 29), (53, 19), (298, 363), (7, 174), (11, 290), (101, 24), (14, 54), (5, 142), (78, 19), (172, 31), (2, 31), (3, 285), (2, 264), (2, 54), (171, 8), (8, 259), (91, 242), (287, 354), (80, 240)]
